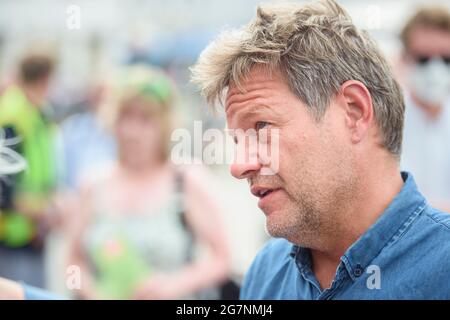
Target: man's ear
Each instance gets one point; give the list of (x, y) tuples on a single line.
[(358, 108)]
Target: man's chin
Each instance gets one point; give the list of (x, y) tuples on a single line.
[(281, 232), (275, 228)]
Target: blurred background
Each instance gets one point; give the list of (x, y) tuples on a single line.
[(89, 43)]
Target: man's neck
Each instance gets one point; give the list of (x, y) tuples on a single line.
[(377, 190)]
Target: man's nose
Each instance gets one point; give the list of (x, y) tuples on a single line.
[(245, 168)]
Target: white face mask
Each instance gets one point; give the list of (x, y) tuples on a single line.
[(431, 81)]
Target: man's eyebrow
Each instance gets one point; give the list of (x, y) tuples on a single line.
[(253, 105), (246, 113), (256, 110)]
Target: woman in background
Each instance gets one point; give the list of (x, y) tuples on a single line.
[(134, 229)]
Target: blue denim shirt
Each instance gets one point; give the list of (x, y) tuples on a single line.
[(34, 293), (405, 254)]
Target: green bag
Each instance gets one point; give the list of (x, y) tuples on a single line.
[(120, 268)]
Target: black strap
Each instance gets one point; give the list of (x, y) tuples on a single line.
[(228, 290), (181, 207)]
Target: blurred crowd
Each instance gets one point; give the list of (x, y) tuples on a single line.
[(100, 193)]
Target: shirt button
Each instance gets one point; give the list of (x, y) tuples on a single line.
[(358, 270)]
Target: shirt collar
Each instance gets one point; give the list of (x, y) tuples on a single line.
[(407, 205)]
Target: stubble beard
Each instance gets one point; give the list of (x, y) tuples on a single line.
[(314, 213)]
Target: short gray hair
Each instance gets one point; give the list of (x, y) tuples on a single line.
[(316, 47)]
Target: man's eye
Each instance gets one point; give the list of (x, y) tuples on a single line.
[(260, 124)]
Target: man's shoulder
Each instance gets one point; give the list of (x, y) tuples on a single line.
[(421, 257), (430, 237), (439, 219)]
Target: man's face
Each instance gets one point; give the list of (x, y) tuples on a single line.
[(428, 59), (316, 169)]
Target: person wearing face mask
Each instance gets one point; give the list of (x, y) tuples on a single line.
[(426, 61)]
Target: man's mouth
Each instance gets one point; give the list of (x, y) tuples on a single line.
[(267, 195), (261, 192)]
